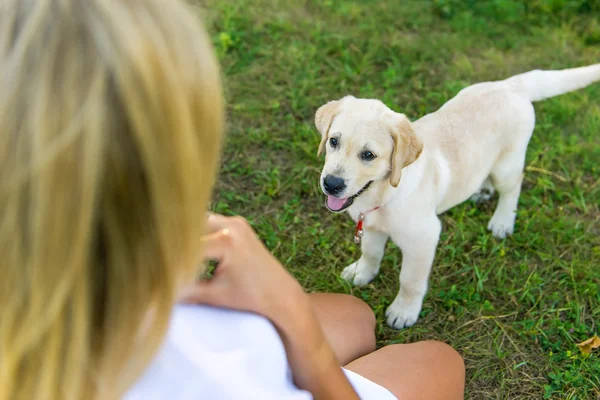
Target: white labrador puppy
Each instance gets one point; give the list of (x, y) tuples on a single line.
[(395, 177)]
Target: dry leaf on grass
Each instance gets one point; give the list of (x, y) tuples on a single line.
[(587, 345)]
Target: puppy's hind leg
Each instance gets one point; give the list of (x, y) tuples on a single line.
[(507, 177), (367, 267), (485, 192), (507, 173)]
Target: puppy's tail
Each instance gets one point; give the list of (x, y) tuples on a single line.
[(538, 85)]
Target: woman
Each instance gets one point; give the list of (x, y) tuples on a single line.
[(110, 128)]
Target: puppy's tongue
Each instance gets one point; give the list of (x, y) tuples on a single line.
[(335, 204)]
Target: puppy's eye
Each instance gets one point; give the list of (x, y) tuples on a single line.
[(333, 142), (367, 155)]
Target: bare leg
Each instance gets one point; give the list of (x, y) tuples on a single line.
[(348, 323), (424, 370), (367, 267)]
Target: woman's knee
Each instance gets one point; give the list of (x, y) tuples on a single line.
[(363, 312), (448, 363), (427, 358), (363, 321), (447, 353), (348, 306), (349, 317)]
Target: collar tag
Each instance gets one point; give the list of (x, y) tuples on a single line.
[(358, 234)]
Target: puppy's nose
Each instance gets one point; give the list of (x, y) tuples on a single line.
[(333, 185)]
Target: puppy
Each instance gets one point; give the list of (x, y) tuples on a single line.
[(395, 177)]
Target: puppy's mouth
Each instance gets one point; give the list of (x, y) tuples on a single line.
[(338, 205)]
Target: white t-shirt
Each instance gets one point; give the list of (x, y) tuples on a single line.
[(217, 354)]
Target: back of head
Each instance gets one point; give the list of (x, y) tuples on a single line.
[(110, 124)]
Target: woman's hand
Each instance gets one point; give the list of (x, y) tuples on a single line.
[(248, 277)]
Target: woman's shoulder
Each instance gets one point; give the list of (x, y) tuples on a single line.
[(219, 354)]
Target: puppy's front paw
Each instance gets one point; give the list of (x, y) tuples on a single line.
[(402, 314), (502, 225), (359, 273)]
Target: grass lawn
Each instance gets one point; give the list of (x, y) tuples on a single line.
[(513, 308)]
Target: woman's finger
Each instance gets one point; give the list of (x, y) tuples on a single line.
[(216, 222), (217, 245)]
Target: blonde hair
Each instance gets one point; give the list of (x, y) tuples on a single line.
[(110, 128)]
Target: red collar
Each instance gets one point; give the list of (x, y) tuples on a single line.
[(358, 234)]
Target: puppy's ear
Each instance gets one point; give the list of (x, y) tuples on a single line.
[(407, 146), (323, 119)]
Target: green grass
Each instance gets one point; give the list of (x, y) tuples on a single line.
[(513, 308)]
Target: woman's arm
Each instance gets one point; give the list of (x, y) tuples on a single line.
[(249, 278), (311, 358)]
